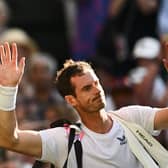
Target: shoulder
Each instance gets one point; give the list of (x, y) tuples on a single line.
[(137, 114), (53, 133), (54, 144), (135, 111)]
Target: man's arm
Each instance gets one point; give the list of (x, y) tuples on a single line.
[(161, 119), (11, 71)]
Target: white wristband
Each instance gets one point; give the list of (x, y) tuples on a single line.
[(8, 98)]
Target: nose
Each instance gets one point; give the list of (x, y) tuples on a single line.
[(97, 88)]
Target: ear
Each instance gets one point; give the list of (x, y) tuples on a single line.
[(70, 100)]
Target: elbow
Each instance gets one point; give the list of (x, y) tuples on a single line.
[(9, 141)]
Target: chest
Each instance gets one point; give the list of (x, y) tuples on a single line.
[(107, 150)]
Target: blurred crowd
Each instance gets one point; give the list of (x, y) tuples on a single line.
[(123, 40)]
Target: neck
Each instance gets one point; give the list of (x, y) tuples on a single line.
[(99, 122)]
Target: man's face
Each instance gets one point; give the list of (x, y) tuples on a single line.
[(40, 75), (89, 92)]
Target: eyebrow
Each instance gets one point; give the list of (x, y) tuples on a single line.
[(86, 86), (89, 85)]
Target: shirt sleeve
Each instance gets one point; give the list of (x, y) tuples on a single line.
[(54, 145), (142, 115)]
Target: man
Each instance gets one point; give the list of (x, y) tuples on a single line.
[(104, 143)]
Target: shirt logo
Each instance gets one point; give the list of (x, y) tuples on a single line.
[(122, 140)]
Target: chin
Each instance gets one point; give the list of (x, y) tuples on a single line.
[(101, 106)]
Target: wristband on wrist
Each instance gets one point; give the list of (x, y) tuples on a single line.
[(8, 98)]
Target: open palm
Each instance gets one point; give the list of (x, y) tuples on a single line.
[(10, 70)]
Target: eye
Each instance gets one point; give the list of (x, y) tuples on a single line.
[(87, 88)]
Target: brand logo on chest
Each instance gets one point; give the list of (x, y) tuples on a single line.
[(122, 140)]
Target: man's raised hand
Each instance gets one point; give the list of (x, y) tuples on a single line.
[(11, 69)]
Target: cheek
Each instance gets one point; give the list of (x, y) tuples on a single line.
[(83, 98)]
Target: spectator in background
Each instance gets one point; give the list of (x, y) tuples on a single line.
[(146, 76), (40, 70), (4, 15), (129, 21)]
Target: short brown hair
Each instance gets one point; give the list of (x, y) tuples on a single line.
[(70, 69)]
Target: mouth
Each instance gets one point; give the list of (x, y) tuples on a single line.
[(98, 98), (98, 102)]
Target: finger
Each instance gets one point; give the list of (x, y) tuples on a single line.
[(2, 53), (21, 64), (8, 52), (14, 54)]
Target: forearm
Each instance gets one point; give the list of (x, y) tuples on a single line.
[(8, 127), (161, 119), (8, 124)]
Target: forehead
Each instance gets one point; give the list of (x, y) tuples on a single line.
[(79, 81)]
